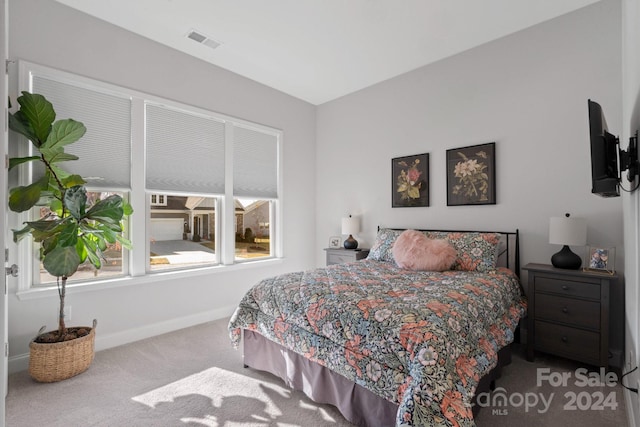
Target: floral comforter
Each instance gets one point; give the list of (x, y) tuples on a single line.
[(420, 339)]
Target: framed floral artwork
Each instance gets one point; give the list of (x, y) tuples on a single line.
[(410, 181), (471, 175)]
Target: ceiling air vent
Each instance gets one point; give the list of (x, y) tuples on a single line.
[(200, 38)]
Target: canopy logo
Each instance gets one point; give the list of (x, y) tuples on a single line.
[(500, 400)]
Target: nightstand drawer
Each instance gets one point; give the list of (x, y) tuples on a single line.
[(568, 313), (569, 342), (581, 313), (568, 287), (340, 258)]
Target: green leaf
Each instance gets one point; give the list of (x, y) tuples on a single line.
[(108, 210), (57, 156), (55, 206), (81, 249), (44, 225), (60, 173), (127, 209), (68, 234), (73, 180), (48, 244), (113, 226), (126, 243), (19, 123), (109, 235), (39, 114), (92, 249), (62, 261), (64, 132), (75, 200), (49, 235), (24, 198), (20, 160), (22, 233)]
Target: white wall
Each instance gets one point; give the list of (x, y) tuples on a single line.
[(631, 124), (527, 92), (47, 33)]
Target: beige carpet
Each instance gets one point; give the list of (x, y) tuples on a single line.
[(194, 378)]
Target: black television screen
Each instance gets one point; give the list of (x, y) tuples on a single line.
[(605, 177)]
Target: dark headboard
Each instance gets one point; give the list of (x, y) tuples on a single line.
[(508, 249)]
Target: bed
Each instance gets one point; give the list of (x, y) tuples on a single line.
[(389, 345)]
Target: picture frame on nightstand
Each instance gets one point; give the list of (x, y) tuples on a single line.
[(335, 242), (600, 259)]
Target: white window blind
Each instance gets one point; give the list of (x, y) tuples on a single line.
[(184, 151), (105, 149), (255, 164)]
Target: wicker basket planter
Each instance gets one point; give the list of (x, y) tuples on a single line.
[(53, 362)]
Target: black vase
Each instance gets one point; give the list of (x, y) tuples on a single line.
[(566, 259), (350, 243)]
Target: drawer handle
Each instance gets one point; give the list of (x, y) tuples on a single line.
[(565, 288), (565, 310), (564, 339)]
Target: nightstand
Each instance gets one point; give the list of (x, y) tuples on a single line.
[(341, 255), (568, 313)]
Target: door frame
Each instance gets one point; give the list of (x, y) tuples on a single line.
[(4, 145)]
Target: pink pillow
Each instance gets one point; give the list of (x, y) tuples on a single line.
[(415, 251)]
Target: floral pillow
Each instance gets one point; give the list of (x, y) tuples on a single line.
[(476, 251), (381, 249)]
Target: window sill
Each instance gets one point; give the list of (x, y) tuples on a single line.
[(75, 288)]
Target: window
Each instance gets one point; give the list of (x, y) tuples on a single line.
[(182, 233), (255, 184), (185, 152), (107, 116), (253, 240), (186, 172), (158, 200)]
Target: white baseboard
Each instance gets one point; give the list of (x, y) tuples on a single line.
[(20, 362)]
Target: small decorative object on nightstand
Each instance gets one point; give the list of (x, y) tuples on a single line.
[(601, 259), (335, 242), (350, 226), (339, 255), (568, 313)]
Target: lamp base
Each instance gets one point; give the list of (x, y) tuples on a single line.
[(350, 243), (566, 259)]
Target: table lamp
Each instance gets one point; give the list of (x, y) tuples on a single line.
[(350, 226), (567, 231)]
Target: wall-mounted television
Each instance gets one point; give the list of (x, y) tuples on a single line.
[(607, 159)]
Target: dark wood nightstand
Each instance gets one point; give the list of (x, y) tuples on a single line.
[(568, 313), (341, 255)]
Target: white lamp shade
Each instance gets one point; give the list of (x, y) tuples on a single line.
[(568, 231), (350, 225)]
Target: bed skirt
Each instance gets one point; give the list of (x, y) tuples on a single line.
[(357, 404)]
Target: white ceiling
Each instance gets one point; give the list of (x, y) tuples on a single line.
[(319, 50)]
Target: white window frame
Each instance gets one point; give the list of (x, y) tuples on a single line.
[(138, 258)]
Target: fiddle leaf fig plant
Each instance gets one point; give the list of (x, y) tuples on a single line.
[(72, 229)]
